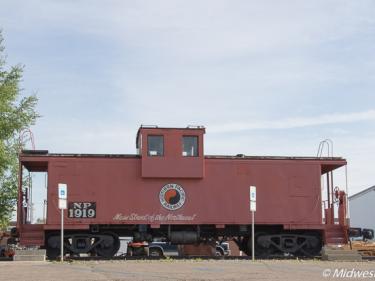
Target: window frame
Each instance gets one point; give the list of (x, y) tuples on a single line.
[(190, 136), (148, 145)]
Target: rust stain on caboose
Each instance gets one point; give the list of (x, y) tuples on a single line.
[(198, 189)]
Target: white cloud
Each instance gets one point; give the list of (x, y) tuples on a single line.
[(297, 122), (199, 29), (233, 66)]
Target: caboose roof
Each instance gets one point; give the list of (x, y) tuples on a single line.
[(32, 159), (45, 153)]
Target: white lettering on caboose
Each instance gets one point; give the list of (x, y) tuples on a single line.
[(153, 217)]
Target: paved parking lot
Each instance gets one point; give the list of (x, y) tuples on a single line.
[(186, 270)]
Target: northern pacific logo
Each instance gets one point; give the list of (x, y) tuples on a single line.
[(172, 196)]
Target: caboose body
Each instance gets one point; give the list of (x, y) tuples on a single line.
[(170, 189)]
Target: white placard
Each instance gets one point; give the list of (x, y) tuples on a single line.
[(63, 191), (62, 204), (253, 193), (253, 206)]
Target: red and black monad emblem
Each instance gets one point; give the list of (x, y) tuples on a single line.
[(172, 196)]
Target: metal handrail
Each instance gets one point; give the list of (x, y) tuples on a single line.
[(329, 144)]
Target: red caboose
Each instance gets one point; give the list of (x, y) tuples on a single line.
[(170, 189)]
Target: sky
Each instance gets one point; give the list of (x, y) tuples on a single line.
[(264, 77)]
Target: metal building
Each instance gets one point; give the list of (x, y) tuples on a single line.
[(362, 208)]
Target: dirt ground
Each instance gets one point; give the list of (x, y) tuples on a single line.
[(186, 270)]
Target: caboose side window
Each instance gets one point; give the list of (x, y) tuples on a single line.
[(189, 146), (155, 145)]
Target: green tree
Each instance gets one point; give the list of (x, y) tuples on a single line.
[(16, 114)]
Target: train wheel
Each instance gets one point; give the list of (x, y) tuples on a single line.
[(109, 245), (52, 253), (312, 245), (262, 248), (53, 246)]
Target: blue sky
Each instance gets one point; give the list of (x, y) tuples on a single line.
[(264, 77)]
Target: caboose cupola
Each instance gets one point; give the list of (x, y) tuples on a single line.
[(171, 152)]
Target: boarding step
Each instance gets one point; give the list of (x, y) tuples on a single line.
[(32, 235), (335, 240), (30, 255), (340, 254), (335, 234), (31, 240)]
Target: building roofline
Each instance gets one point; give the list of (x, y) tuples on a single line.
[(363, 192)]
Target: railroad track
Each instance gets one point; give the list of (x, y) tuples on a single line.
[(185, 258), (124, 258)]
